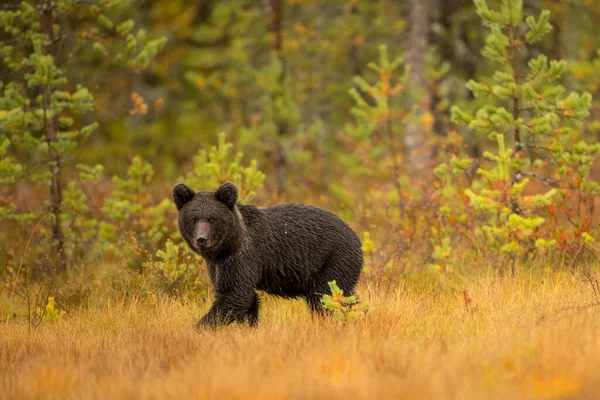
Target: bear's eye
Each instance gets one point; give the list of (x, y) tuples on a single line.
[(194, 220), (211, 220)]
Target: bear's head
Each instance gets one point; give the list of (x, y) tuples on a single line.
[(209, 221)]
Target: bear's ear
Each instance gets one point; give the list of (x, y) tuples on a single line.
[(227, 193), (182, 194)]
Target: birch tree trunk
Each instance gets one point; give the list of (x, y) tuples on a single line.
[(274, 13), (418, 138)]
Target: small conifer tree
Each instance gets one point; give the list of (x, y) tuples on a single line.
[(219, 164), (532, 119), (41, 109), (344, 308)]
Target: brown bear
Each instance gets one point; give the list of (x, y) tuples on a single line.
[(289, 250)]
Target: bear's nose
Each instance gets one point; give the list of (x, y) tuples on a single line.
[(201, 240)]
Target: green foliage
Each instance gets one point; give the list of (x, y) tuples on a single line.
[(50, 313), (35, 124), (374, 113), (587, 73), (176, 271), (78, 222), (344, 308), (279, 110), (368, 247), (378, 129), (134, 215), (442, 251), (44, 111), (129, 195), (515, 182), (220, 165), (533, 109), (387, 198)]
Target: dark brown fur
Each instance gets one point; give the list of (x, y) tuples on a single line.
[(289, 250)]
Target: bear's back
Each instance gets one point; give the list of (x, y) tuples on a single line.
[(295, 242)]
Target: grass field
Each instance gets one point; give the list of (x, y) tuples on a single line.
[(517, 339)]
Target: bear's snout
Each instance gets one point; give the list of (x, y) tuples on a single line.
[(202, 235)]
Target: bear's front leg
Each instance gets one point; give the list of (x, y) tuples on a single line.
[(253, 311), (228, 307)]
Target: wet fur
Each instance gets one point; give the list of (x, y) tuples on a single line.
[(288, 250)]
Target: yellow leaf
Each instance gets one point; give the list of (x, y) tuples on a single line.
[(427, 120), (200, 81)]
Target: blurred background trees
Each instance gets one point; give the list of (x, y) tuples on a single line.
[(344, 104)]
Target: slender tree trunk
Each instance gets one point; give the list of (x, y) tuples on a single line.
[(519, 151), (56, 190), (418, 140), (354, 59), (443, 12), (569, 39), (353, 53), (274, 12), (461, 50)]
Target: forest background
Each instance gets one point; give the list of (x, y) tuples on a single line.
[(458, 138)]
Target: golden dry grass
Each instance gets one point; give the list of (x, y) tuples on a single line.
[(413, 344)]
